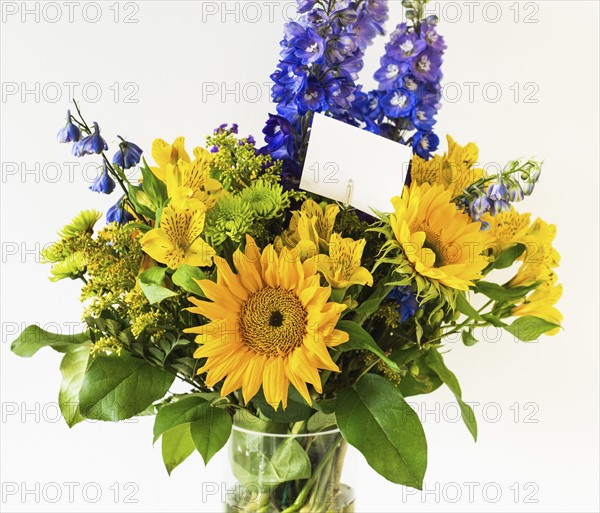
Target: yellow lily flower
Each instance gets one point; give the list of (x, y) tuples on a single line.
[(342, 267), (177, 240)]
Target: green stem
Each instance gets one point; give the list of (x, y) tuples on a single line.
[(306, 489)]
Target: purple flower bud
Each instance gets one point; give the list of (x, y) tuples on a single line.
[(104, 184), (91, 144)]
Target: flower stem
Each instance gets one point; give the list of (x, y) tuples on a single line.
[(310, 483)]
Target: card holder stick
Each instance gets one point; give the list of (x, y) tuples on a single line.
[(349, 190)]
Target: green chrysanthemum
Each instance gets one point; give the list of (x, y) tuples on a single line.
[(267, 200), (231, 218), (71, 267), (83, 223)]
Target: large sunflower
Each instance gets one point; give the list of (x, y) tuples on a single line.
[(270, 325), (441, 243)]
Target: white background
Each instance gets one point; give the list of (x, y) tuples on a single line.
[(537, 403)]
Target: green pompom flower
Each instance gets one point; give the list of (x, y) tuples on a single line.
[(83, 223), (231, 218), (71, 267), (267, 200)]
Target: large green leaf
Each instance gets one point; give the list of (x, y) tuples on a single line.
[(72, 368), (530, 328), (211, 433), (435, 361), (360, 339), (501, 292), (183, 411), (33, 338), (119, 387), (177, 445), (151, 283), (186, 276), (268, 465), (374, 417)]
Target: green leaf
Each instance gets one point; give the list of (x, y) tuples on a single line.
[(506, 258), (297, 408), (374, 417), (212, 432), (151, 282), (33, 338), (502, 293), (183, 411), (371, 305), (177, 445), (321, 422), (255, 463), (435, 361), (530, 328), (290, 462), (493, 320), (361, 340), (468, 338), (119, 387), (185, 277), (464, 307), (139, 207), (425, 382), (153, 187), (72, 368)]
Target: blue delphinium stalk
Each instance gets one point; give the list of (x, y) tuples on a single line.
[(406, 301), (321, 55), (118, 214), (495, 194), (70, 132), (104, 184), (93, 143), (128, 155), (409, 91)]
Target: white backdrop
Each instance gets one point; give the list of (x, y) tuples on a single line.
[(521, 80)]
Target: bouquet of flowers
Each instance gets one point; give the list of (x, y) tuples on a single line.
[(299, 325)]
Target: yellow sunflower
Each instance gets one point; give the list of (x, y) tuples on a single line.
[(271, 324), (177, 240), (440, 242)]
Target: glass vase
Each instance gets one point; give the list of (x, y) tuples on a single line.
[(287, 473)]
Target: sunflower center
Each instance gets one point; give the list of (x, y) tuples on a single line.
[(445, 254), (273, 321)]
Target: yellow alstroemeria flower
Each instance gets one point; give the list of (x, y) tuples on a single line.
[(165, 154), (540, 303), (507, 228), (196, 176), (454, 170), (341, 268), (177, 240), (539, 258), (310, 228)]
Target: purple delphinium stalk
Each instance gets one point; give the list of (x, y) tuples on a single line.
[(409, 89), (321, 56)]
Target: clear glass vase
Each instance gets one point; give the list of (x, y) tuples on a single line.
[(287, 473)]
